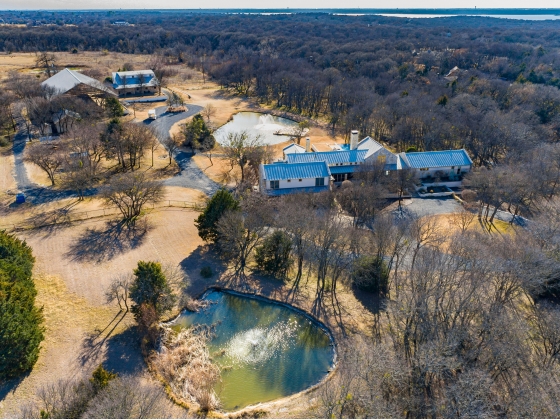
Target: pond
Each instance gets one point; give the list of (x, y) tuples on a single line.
[(265, 350), (255, 123)]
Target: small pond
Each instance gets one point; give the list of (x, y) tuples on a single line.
[(265, 350), (255, 123)]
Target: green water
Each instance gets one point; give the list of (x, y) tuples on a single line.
[(266, 351)]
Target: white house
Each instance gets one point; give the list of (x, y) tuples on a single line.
[(139, 82), (446, 167), (288, 178)]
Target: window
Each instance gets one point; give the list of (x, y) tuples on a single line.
[(319, 182), (424, 169), (274, 185), (300, 180), (289, 180), (381, 158)]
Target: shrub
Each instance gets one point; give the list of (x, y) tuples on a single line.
[(206, 272), (21, 330), (100, 378), (206, 223), (371, 274), (274, 255)]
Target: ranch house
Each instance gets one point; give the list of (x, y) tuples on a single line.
[(132, 83)]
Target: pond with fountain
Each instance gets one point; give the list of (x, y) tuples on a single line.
[(255, 123), (265, 350)]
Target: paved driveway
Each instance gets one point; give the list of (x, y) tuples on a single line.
[(165, 120)]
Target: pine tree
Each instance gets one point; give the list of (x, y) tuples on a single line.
[(206, 223)]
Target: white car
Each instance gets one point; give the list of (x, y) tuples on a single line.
[(152, 114)]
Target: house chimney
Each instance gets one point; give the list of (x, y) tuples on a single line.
[(354, 140), (308, 144)]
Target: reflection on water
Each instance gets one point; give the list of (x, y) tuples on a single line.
[(266, 351), (254, 123)]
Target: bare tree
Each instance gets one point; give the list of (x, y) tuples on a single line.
[(240, 149), (118, 291), (209, 111), (130, 192), (46, 61), (161, 71), (171, 143), (129, 397), (48, 157), (300, 130), (463, 218), (239, 232), (141, 82)]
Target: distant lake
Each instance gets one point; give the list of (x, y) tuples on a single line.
[(256, 124), (422, 16)]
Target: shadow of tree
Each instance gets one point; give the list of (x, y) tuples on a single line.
[(11, 385), (123, 354), (120, 352), (371, 301), (98, 245), (202, 256)]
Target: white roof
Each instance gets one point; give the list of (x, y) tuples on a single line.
[(293, 148), (67, 79), (135, 73)]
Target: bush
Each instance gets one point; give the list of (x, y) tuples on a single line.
[(206, 272), (21, 330), (371, 274), (273, 256), (206, 223)]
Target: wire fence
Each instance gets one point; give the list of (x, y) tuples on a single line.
[(65, 216)]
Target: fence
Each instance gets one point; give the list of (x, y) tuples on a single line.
[(63, 216)]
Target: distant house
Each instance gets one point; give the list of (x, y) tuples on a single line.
[(70, 82), (285, 178), (121, 23), (446, 167), (140, 82)]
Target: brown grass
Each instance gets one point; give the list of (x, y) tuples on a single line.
[(184, 363)]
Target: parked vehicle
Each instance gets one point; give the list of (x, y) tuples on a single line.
[(152, 114)]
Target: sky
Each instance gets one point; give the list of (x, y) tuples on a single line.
[(182, 4)]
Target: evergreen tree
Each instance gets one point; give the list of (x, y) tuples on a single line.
[(198, 135), (21, 330), (206, 223), (273, 256), (150, 287), (370, 273)]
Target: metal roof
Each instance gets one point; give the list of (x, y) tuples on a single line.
[(67, 79), (278, 171), (437, 159), (293, 148), (133, 79), (332, 158)]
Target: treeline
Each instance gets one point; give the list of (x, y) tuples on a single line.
[(21, 330), (383, 76)]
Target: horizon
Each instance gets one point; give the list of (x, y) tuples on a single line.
[(440, 6)]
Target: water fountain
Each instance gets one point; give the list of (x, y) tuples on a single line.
[(265, 350)]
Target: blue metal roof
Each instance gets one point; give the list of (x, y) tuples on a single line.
[(438, 159), (332, 158), (278, 171)]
